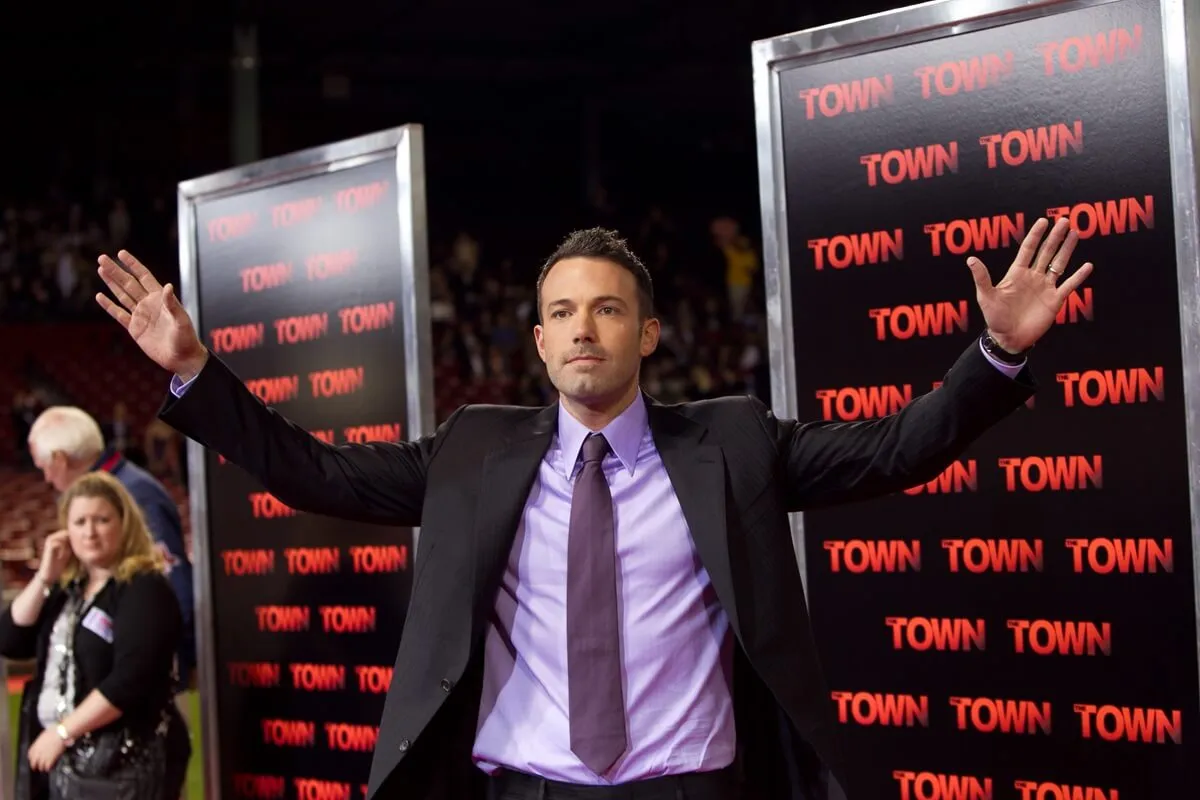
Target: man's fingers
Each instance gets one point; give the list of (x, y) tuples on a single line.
[(1029, 246), (1075, 281), (1049, 247), (1062, 258), (114, 310), (114, 275), (122, 297), (139, 271)]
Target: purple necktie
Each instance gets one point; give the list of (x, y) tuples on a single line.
[(597, 703)]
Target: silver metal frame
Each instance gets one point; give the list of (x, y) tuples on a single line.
[(406, 145), (1181, 40), (937, 20)]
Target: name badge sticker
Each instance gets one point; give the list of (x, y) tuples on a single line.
[(99, 623)]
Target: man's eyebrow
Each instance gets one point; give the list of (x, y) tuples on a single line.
[(608, 298)]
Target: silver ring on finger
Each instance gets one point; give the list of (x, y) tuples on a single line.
[(1055, 271)]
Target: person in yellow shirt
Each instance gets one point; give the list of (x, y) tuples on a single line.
[(741, 263)]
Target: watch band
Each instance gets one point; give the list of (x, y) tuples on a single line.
[(64, 734), (999, 353)]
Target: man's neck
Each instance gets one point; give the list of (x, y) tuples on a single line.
[(76, 471), (596, 416), (97, 462), (77, 468)]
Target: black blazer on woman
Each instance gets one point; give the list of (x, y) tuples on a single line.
[(133, 671)]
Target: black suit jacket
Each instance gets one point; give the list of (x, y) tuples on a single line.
[(737, 471)]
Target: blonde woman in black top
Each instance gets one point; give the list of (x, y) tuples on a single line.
[(104, 625)]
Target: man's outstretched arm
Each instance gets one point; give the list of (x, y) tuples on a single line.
[(378, 482)]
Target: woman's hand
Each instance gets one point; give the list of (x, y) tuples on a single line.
[(56, 554), (45, 752)]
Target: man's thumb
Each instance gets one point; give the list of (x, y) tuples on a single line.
[(983, 281), (171, 300)]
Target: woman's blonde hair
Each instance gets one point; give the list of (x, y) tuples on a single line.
[(138, 553)]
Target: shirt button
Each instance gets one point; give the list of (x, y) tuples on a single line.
[(404, 745), (447, 684)]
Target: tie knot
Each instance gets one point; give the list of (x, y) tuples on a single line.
[(595, 448)]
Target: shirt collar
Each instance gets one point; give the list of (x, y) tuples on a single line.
[(624, 435), (108, 461)]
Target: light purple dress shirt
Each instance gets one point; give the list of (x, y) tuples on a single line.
[(675, 642), (676, 646)]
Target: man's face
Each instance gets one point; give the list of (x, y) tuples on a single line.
[(591, 339), (54, 469)]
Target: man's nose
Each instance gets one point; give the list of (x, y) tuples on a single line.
[(585, 329)]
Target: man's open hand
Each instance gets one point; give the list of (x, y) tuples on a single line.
[(1022, 306), (152, 315)]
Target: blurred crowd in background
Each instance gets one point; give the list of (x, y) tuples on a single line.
[(708, 293)]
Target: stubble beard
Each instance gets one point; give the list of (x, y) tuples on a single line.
[(586, 387)]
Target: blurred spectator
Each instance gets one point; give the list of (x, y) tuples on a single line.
[(116, 430), (66, 443), (118, 224), (26, 407), (441, 300), (741, 263), (162, 445)]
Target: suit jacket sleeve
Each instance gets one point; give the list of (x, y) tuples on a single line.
[(380, 482), (826, 463)]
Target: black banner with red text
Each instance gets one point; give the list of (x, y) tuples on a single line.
[(1022, 627), (300, 293)]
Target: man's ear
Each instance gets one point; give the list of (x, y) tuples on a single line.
[(538, 333), (651, 330)]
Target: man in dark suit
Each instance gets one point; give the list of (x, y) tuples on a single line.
[(606, 600)]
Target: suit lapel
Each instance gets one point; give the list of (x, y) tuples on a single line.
[(507, 476), (697, 473)]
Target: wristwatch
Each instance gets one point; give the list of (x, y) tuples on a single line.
[(64, 734), (993, 348)]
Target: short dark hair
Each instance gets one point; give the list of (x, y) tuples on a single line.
[(606, 244)]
